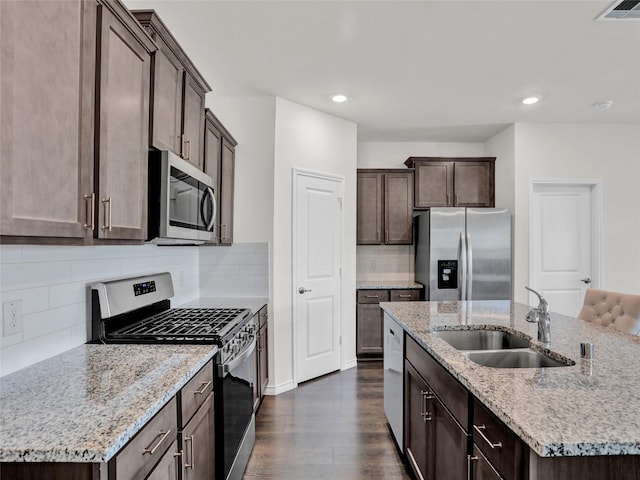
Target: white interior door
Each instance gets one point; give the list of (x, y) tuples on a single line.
[(317, 240), (564, 244)]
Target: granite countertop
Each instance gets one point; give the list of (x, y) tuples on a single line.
[(589, 409), (388, 285), (85, 404)]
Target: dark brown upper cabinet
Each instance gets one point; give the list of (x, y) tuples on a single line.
[(74, 155), (384, 207), (219, 164), (453, 182), (177, 95)]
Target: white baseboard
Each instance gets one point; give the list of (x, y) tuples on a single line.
[(278, 389), (350, 364)]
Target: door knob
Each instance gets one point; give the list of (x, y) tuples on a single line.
[(586, 280), (302, 290)]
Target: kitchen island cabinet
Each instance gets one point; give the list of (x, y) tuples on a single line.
[(89, 55), (528, 423)]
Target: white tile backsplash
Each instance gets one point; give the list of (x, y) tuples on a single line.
[(384, 263), (52, 282)]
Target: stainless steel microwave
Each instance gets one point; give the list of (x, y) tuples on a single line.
[(182, 201)]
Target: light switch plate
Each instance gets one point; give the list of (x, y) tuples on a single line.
[(12, 318)]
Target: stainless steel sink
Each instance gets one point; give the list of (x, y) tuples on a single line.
[(515, 359), (481, 339)]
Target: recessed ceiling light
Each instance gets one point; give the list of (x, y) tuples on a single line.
[(530, 100), (339, 98), (603, 105)]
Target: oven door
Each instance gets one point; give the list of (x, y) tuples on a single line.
[(188, 203), (234, 410)]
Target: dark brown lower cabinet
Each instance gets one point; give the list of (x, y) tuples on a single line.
[(198, 444), (167, 467), (435, 444), (480, 467), (369, 340)]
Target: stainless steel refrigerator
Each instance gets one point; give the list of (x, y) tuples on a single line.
[(464, 253)]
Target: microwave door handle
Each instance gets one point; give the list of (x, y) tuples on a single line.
[(208, 222)]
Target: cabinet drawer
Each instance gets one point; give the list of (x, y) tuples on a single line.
[(195, 392), (373, 296), (497, 442), (405, 295), (138, 458), (447, 388)]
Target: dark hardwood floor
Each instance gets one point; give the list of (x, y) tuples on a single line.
[(332, 427)]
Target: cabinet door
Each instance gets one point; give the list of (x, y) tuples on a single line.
[(416, 424), (198, 444), (168, 466), (264, 358), (227, 172), (369, 209), (369, 320), (212, 160), (398, 208), (480, 467), (434, 184), (123, 132), (166, 126), (47, 53), (449, 461), (192, 122), (474, 184)]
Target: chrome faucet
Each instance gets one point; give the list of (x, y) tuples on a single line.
[(540, 315)]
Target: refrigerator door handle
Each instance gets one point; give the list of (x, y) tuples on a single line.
[(462, 271), (469, 268)]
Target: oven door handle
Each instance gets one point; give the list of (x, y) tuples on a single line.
[(224, 369)]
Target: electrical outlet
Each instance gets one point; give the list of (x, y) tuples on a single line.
[(12, 317)]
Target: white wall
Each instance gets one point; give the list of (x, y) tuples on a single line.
[(606, 152), (308, 139)]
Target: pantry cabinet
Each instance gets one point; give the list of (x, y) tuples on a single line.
[(177, 95), (384, 207), (453, 182), (89, 56)]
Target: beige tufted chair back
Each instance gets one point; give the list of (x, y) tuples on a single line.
[(611, 309)]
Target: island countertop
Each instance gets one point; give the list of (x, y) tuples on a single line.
[(588, 409), (85, 404)]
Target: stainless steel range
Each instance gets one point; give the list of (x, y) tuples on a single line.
[(138, 310)]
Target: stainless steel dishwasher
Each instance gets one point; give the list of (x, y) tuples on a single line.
[(393, 377)]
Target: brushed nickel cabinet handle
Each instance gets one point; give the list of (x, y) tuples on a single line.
[(481, 429), (190, 440), (162, 436), (187, 143), (456, 198), (469, 460), (426, 396), (205, 385), (386, 234), (90, 225), (448, 199), (107, 213), (371, 296), (404, 296)]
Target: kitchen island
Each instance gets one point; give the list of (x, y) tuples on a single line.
[(587, 414)]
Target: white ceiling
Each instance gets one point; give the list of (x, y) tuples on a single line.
[(417, 70)]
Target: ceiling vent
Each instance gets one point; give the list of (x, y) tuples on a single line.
[(622, 10)]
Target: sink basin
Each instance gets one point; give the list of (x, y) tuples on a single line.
[(481, 339), (515, 359)]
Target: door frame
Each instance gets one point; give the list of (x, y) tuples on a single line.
[(596, 225), (297, 173)]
